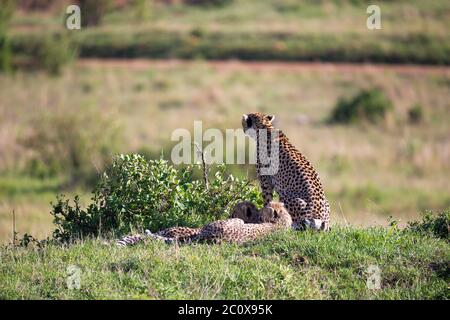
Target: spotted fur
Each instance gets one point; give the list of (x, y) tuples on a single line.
[(270, 218), (296, 181), (245, 211)]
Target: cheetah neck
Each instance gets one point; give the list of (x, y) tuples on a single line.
[(284, 144)]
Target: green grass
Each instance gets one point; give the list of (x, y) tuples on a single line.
[(369, 172), (286, 265), (30, 199), (15, 187), (258, 30), (337, 16), (418, 48)]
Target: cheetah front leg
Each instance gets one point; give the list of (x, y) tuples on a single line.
[(266, 189), (296, 208), (300, 213)]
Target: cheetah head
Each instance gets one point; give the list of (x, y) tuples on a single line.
[(256, 121), (246, 211), (276, 213)]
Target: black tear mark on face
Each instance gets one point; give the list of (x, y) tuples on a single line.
[(275, 214), (249, 122)]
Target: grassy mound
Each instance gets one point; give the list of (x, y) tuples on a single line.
[(134, 193), (286, 265)]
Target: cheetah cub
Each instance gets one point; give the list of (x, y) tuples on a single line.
[(269, 219), (245, 210)]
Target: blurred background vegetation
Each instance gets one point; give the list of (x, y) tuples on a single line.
[(369, 108)]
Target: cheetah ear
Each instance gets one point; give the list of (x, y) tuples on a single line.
[(270, 117)]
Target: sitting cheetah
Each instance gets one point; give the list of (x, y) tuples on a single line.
[(245, 211), (296, 182)]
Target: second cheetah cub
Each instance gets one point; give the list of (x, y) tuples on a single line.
[(235, 230)]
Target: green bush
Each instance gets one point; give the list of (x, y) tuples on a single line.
[(50, 53), (92, 12), (434, 225), (415, 114), (71, 142), (6, 12), (367, 106), (208, 3), (5, 54), (286, 46), (136, 194), (54, 53), (141, 9)]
